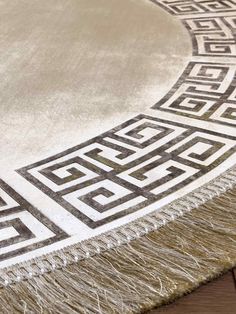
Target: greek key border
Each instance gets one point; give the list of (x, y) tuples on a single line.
[(205, 91)]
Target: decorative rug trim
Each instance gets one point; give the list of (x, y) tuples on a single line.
[(145, 273), (119, 236)]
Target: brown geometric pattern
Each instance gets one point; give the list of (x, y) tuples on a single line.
[(192, 7), (18, 221), (213, 36), (205, 91), (128, 168)]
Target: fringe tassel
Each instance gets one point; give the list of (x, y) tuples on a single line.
[(148, 272)]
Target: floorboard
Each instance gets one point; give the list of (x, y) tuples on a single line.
[(217, 297)]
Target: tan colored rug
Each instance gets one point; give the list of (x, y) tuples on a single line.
[(118, 157)]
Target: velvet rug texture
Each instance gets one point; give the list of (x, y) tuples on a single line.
[(117, 164)]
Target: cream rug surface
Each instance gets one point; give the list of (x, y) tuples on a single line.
[(118, 121)]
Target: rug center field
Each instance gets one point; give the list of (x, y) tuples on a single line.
[(73, 69)]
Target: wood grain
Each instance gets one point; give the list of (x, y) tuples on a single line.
[(217, 297)]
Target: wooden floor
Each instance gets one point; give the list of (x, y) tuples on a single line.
[(217, 297)]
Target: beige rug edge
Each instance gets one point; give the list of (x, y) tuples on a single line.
[(148, 272)]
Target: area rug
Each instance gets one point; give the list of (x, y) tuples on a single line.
[(117, 164)]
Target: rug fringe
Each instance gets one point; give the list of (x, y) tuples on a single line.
[(147, 272), (119, 236)]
